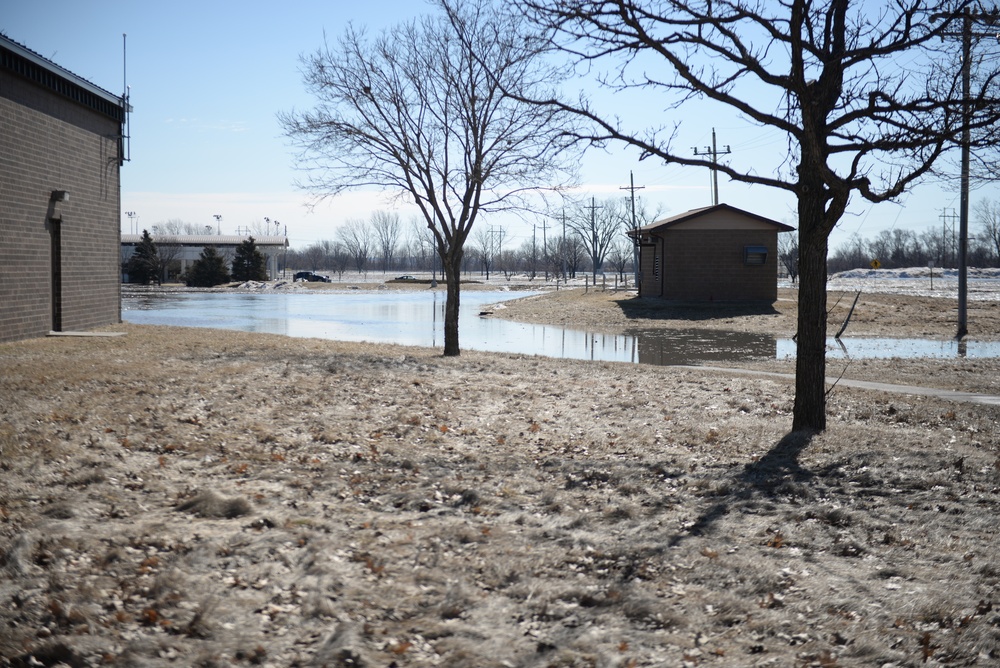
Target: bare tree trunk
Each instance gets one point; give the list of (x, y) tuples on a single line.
[(810, 362), (452, 263)]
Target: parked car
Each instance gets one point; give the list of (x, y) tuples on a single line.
[(311, 277), (406, 277)]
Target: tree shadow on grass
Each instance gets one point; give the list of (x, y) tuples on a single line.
[(766, 476), (644, 308)]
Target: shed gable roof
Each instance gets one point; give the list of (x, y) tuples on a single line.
[(710, 216)]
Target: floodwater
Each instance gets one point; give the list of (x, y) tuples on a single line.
[(417, 319)]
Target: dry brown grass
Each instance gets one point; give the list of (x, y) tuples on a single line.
[(491, 510)]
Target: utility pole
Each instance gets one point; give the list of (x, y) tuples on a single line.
[(715, 153), (563, 253), (496, 245), (635, 226), (593, 236), (963, 210), (534, 253), (545, 249), (989, 18), (947, 232)]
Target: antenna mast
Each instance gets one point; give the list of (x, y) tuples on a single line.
[(125, 150)]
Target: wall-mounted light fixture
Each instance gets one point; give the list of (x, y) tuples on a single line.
[(55, 198)]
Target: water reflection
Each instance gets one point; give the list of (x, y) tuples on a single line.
[(878, 348), (698, 346), (417, 318)]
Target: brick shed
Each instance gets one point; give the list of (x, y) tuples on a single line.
[(60, 155), (716, 253)]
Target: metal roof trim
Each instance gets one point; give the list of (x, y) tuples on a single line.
[(42, 61)]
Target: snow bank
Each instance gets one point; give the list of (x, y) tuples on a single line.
[(983, 283)]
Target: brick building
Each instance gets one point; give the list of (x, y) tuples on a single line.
[(61, 140), (716, 253)]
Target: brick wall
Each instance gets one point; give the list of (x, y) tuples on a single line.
[(650, 274), (48, 143), (708, 265)]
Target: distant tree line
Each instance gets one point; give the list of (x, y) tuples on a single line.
[(584, 236), (896, 247), (178, 227)]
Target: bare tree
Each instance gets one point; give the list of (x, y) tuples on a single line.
[(356, 237), (338, 258), (511, 262), (421, 243), (173, 226), (170, 258), (597, 226), (260, 228), (620, 255), (566, 255), (387, 229), (176, 226), (868, 96), (527, 256), (488, 244), (788, 254), (313, 257), (427, 109), (485, 249), (988, 216), (934, 244)]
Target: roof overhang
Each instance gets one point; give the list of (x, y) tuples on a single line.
[(694, 215)]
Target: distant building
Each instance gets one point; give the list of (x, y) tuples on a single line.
[(179, 251), (718, 253), (61, 148)]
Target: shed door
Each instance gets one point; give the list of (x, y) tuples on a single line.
[(55, 231)]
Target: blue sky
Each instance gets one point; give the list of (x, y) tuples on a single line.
[(208, 78)]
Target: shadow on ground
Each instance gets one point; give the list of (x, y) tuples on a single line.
[(763, 478), (644, 308)]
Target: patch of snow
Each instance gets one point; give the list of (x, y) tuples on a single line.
[(983, 283)]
